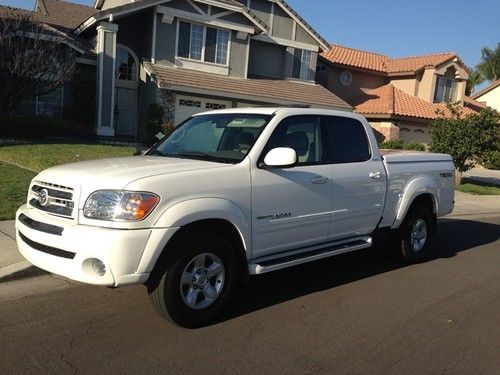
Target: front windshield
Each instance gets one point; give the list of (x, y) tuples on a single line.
[(225, 138)]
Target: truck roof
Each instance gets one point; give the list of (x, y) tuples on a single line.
[(283, 110)]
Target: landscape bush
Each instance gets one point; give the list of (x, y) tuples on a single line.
[(414, 146), (39, 127), (392, 145)]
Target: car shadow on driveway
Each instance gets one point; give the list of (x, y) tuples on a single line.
[(454, 236)]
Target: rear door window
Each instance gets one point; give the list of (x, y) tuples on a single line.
[(345, 140)]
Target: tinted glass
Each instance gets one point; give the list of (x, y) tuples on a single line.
[(210, 43), (346, 140), (303, 134)]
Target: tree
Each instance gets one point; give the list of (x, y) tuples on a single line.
[(467, 138), (34, 58), (489, 67), (473, 80)]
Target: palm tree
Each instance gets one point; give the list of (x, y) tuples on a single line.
[(489, 67), (472, 82)]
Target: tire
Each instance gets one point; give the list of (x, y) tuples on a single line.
[(416, 235), (194, 287)]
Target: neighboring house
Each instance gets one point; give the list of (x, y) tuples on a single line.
[(400, 97), (57, 20), (490, 95), (191, 56)]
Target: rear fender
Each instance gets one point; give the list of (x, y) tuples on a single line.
[(418, 186)]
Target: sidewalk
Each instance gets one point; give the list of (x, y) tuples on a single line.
[(14, 266)]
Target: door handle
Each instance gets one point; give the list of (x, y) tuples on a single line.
[(319, 180), (375, 175)]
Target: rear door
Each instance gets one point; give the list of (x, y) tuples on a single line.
[(358, 178)]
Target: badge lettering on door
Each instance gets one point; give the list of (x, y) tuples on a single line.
[(275, 216)]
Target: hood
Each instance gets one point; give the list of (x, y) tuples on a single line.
[(117, 173)]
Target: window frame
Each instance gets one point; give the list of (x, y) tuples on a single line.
[(302, 66), (324, 146), (203, 45), (452, 90)]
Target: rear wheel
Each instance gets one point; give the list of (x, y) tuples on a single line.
[(195, 286), (416, 234)]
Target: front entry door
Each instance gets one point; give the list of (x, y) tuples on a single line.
[(126, 111), (291, 208)]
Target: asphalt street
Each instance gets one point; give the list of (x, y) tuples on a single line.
[(365, 312)]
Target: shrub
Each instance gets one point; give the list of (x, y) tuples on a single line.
[(38, 127), (155, 122), (491, 160), (414, 146), (392, 145)]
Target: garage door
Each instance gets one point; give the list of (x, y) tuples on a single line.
[(186, 106)]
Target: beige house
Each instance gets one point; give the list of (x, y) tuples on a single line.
[(400, 97), (490, 95)]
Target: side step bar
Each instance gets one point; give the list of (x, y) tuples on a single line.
[(293, 258)]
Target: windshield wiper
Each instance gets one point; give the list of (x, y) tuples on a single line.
[(202, 156)]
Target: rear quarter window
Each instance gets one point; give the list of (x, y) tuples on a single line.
[(345, 140)]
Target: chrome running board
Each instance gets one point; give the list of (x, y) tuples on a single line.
[(292, 258)]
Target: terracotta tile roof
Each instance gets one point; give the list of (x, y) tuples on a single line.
[(492, 86), (381, 63), (474, 104), (261, 90), (389, 100)]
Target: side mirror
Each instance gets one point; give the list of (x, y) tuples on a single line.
[(280, 157)]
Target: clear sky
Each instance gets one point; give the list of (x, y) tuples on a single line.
[(395, 27)]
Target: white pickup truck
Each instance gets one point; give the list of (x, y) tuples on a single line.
[(229, 194)]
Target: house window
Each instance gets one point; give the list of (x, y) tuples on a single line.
[(125, 65), (203, 43), (445, 90), (49, 104), (302, 65)]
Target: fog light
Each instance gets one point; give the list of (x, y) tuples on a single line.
[(99, 267)]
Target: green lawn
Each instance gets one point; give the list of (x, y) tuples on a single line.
[(15, 181), (13, 189), (477, 189), (42, 156)]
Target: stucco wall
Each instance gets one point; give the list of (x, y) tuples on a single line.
[(282, 24), (165, 42), (410, 131), (492, 98), (137, 38), (330, 78), (238, 58), (407, 84)]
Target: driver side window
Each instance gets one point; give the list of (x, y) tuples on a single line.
[(303, 134)]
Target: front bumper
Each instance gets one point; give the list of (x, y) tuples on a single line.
[(70, 253)]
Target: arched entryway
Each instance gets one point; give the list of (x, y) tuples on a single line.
[(126, 83)]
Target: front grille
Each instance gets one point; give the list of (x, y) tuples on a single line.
[(52, 198), (47, 249)]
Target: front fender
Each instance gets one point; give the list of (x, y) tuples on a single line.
[(418, 186), (193, 210)]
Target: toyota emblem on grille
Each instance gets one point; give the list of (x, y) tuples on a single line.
[(43, 197)]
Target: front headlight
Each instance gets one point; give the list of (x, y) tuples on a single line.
[(115, 205)]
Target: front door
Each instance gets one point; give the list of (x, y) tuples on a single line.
[(292, 207), (126, 111)]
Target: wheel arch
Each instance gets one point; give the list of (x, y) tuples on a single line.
[(419, 191)]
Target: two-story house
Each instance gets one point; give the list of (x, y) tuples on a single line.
[(399, 96), (195, 55)]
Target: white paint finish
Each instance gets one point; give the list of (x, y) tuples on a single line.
[(204, 19), (285, 42), (153, 37), (202, 66), (192, 190)]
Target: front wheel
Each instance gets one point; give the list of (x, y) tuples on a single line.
[(416, 235), (196, 286)]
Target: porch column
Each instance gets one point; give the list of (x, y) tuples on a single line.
[(106, 55)]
